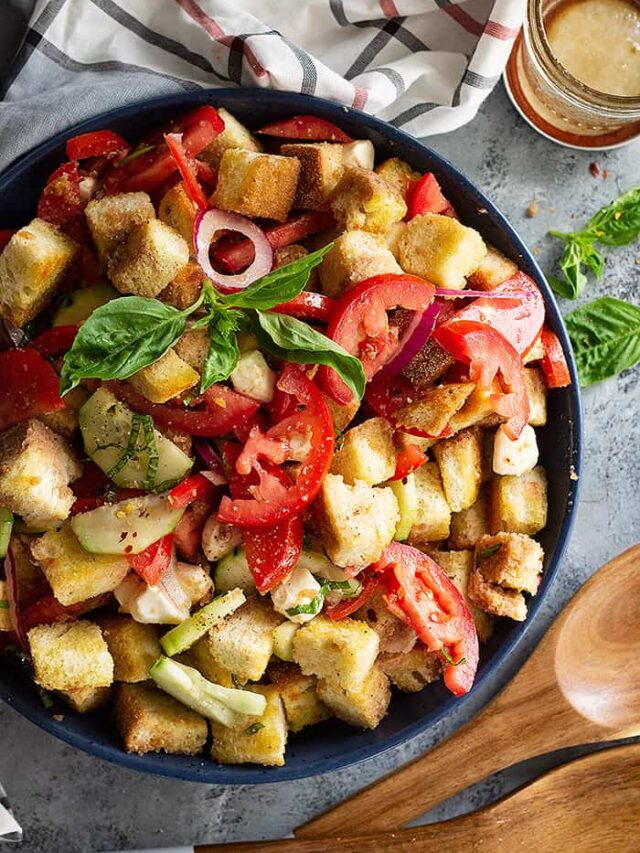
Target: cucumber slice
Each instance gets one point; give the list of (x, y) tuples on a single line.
[(126, 527), (407, 497), (232, 572), (222, 704), (316, 562), (185, 634), (76, 307), (106, 426), (283, 640), (6, 526)]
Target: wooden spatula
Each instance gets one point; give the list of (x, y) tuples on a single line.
[(581, 685)]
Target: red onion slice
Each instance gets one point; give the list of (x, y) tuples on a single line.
[(483, 294), (205, 451), (15, 616), (208, 223), (11, 337), (415, 337)]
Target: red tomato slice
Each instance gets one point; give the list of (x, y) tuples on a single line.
[(310, 429), (409, 460), (306, 127), (386, 397), (188, 534), (490, 354), (61, 202), (92, 480), (153, 562), (554, 364), (29, 387), (96, 143), (194, 488), (55, 341), (360, 324), (419, 593), (308, 306), (48, 610), (425, 196), (188, 170), (347, 606)]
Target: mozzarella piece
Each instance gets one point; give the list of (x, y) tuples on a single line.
[(515, 457), (219, 539), (194, 580), (359, 153), (152, 605), (253, 376), (299, 588)]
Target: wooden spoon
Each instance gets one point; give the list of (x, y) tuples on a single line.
[(591, 803), (582, 684)]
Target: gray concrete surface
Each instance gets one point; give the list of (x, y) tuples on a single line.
[(72, 803)]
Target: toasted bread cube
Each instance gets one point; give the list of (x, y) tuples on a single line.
[(433, 517), (302, 705), (149, 720), (36, 467), (429, 364), (193, 347), (288, 254), (200, 658), (477, 409), (111, 219), (403, 440), (165, 378), (338, 652), (31, 266), (495, 600), (396, 637), (364, 201), (413, 670), (257, 740), (64, 422), (134, 647), (468, 525), (535, 352), (392, 238), (440, 249), (354, 256), (458, 566), (262, 185), (510, 560), (435, 407), (367, 453), (492, 270), (364, 706), (243, 642), (185, 288), (5, 617), (359, 521), (537, 393), (31, 582), (321, 167), (73, 573), (460, 462), (151, 257), (341, 415), (234, 135), (519, 504), (398, 173), (70, 655), (87, 699), (178, 211)]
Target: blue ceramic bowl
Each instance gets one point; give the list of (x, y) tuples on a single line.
[(332, 745)]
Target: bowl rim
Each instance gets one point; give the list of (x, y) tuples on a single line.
[(161, 764)]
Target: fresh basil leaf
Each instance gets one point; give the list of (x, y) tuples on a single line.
[(280, 285), (561, 287), (292, 340), (619, 222), (605, 335), (223, 353)]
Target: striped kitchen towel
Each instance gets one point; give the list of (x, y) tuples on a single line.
[(423, 65), (9, 828)]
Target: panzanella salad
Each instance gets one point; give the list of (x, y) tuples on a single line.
[(268, 445)]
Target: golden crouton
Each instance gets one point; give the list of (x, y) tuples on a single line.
[(340, 652), (165, 378), (185, 288), (492, 270), (31, 266), (441, 250), (321, 167), (5, 617), (363, 200), (403, 440), (460, 462), (193, 347), (149, 720), (392, 238), (395, 636), (300, 697), (64, 422), (75, 574), (468, 525), (433, 517), (150, 258), (537, 393), (234, 135), (134, 647), (366, 453), (364, 706), (178, 211), (354, 257), (256, 740), (31, 581), (243, 642), (199, 657), (288, 254), (458, 566), (477, 409), (510, 560), (519, 504), (435, 407), (112, 218), (70, 656), (36, 467), (262, 185), (496, 600), (87, 699), (341, 415), (398, 173), (359, 521), (535, 351), (413, 670)]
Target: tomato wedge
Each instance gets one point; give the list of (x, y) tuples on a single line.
[(153, 562), (55, 341), (29, 387), (188, 534), (96, 143), (308, 306), (419, 593), (307, 436), (194, 488), (61, 201), (489, 354), (409, 460), (360, 324), (48, 610), (347, 606), (425, 196), (553, 363), (306, 127), (188, 170)]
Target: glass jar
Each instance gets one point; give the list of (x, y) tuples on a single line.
[(554, 101)]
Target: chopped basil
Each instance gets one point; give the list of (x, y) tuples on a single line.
[(253, 728), (138, 152), (136, 425), (4, 604), (45, 697), (312, 608), (489, 552), (152, 452)]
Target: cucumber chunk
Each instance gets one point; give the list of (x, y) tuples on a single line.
[(283, 640), (407, 497), (232, 572), (185, 634), (6, 526), (126, 527), (76, 307)]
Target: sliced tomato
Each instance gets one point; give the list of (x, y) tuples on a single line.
[(553, 363), (258, 419), (306, 127), (188, 170), (5, 235), (96, 143), (61, 201), (194, 488), (48, 610), (419, 593), (387, 396), (425, 196), (489, 355), (153, 562), (409, 460), (308, 306), (55, 341), (29, 387), (91, 481), (360, 324), (188, 534), (305, 436), (347, 606)]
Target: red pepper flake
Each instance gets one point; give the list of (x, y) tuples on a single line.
[(605, 174), (594, 168), (128, 549)]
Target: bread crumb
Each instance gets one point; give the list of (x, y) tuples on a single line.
[(594, 168), (533, 209)]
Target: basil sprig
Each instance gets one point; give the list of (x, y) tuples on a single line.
[(314, 606)]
